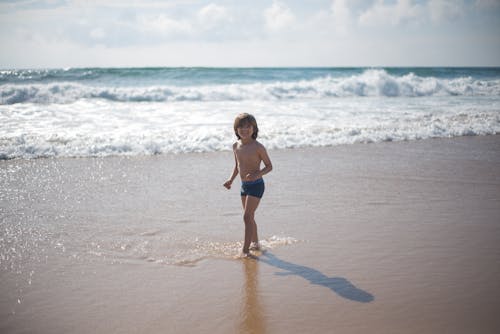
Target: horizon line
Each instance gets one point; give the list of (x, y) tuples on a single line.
[(252, 67)]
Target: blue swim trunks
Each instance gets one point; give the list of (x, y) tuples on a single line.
[(253, 188)]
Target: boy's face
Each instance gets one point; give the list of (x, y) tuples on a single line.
[(245, 130)]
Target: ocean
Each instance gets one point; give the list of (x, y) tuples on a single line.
[(393, 233), (82, 112)]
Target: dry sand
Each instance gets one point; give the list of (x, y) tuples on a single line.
[(391, 238)]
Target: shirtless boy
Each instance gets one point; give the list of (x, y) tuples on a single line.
[(248, 155)]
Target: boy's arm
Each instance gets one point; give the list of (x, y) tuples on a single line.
[(228, 183), (268, 166)]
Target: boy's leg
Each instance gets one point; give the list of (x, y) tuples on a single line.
[(255, 237), (243, 201), (250, 205)]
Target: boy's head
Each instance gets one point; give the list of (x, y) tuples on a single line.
[(243, 120)]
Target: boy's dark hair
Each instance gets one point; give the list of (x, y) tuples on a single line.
[(243, 119)]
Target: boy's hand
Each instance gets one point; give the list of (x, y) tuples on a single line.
[(252, 176), (227, 184)]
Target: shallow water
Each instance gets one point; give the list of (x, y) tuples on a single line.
[(383, 238), (119, 210)]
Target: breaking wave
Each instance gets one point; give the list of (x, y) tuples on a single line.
[(103, 112), (369, 83)]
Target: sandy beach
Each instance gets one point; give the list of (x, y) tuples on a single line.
[(395, 237)]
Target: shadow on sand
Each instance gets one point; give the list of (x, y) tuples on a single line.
[(339, 285)]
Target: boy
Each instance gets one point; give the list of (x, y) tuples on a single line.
[(248, 155)]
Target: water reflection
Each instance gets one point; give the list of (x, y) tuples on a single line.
[(252, 320)]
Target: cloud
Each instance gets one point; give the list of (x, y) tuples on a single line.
[(97, 33), (404, 11), (381, 14), (487, 4), (116, 4), (208, 22), (213, 15), (341, 16), (163, 25), (443, 10), (278, 16), (232, 33)]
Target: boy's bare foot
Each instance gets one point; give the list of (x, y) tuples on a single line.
[(247, 255), (255, 246)]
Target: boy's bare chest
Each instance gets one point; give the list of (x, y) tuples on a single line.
[(247, 155)]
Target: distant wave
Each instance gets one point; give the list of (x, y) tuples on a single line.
[(369, 83)]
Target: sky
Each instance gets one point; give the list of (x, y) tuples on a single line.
[(257, 33)]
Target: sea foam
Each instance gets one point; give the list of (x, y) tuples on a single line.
[(45, 114)]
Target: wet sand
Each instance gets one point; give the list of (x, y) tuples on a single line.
[(390, 238)]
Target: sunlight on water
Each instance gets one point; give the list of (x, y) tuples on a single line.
[(169, 250)]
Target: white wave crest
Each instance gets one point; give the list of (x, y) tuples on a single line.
[(369, 83), (84, 129)]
